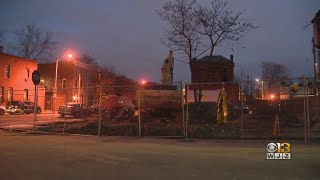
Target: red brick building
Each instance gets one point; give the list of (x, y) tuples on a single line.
[(211, 72), (316, 30), (16, 81), (212, 69), (76, 82)]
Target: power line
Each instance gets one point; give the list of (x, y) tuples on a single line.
[(181, 61)]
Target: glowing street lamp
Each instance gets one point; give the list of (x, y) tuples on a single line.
[(56, 76), (57, 63), (258, 81), (143, 82), (272, 96)]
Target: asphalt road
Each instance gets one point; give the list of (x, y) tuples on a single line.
[(24, 156), (25, 121)]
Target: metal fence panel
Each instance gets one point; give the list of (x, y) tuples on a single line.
[(263, 109)]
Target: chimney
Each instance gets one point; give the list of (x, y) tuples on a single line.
[(231, 58), (1, 49)]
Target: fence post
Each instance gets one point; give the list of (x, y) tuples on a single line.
[(304, 109), (35, 107), (182, 105), (241, 126), (307, 111), (65, 111), (139, 110), (187, 115), (100, 96)]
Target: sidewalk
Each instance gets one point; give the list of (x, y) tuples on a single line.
[(50, 157)]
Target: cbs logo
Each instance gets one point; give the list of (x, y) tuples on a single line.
[(279, 147)]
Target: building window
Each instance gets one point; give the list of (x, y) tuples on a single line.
[(64, 83), (27, 73), (225, 75), (76, 84), (99, 76), (81, 84), (26, 94), (10, 94), (7, 71), (1, 94)]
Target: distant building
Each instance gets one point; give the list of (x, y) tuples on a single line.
[(211, 73), (211, 69), (316, 29), (76, 82), (16, 79)]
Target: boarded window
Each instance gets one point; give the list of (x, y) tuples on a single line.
[(26, 94), (64, 83), (1, 94), (7, 71), (10, 94)]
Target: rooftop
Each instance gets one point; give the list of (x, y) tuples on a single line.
[(216, 58), (317, 16)]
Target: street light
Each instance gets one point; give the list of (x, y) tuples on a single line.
[(56, 78), (143, 82), (258, 81)]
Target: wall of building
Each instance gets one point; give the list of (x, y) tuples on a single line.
[(19, 80), (212, 72), (81, 80)]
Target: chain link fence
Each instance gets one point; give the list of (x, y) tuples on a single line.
[(260, 109), (286, 108)]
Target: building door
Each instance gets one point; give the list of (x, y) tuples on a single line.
[(48, 101)]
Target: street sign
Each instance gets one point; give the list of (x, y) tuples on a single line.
[(36, 77)]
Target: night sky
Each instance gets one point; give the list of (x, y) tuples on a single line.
[(127, 33)]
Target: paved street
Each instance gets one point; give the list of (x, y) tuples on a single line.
[(27, 156), (25, 121)]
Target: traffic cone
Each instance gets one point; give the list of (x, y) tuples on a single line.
[(276, 130)]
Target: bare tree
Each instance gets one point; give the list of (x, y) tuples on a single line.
[(117, 83), (182, 34), (240, 75), (219, 24), (273, 73), (190, 24), (31, 43), (88, 59)]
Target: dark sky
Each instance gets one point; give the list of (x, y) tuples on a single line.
[(126, 33)]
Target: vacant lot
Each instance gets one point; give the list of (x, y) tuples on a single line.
[(24, 156)]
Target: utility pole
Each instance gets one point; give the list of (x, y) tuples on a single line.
[(315, 68)]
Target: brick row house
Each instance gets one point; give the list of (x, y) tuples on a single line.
[(76, 82), (16, 81)]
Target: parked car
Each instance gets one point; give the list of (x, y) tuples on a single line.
[(21, 107), (113, 107), (94, 109), (2, 110), (73, 109), (245, 109)]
